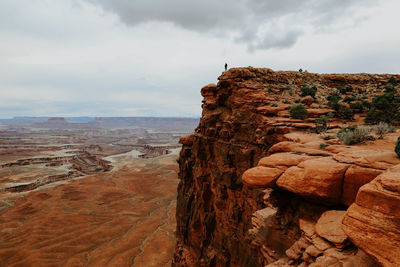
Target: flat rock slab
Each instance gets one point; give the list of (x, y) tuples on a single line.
[(283, 159), (287, 146), (261, 176), (367, 157), (329, 226)]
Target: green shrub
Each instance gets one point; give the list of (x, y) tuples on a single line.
[(383, 128), (345, 113), (354, 134), (341, 89), (298, 112), (349, 99), (390, 88), (328, 137), (357, 106), (393, 81), (349, 88), (366, 105), (384, 108), (321, 123), (360, 106), (311, 91), (341, 111), (397, 147), (334, 98), (333, 101), (274, 104), (323, 145)]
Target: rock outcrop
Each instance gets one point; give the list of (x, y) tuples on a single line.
[(256, 189), (373, 221), (323, 181)]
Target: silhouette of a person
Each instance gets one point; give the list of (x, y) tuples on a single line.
[(226, 66)]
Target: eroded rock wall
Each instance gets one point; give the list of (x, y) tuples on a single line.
[(215, 211)]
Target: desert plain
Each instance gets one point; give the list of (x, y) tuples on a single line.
[(87, 196)]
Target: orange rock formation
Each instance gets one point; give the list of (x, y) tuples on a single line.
[(258, 189)]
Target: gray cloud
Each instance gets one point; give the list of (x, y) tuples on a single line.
[(281, 39), (194, 15), (245, 19), (75, 57)]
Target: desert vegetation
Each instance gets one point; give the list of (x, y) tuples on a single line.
[(321, 123), (397, 147), (354, 134), (383, 128), (384, 108), (298, 112), (311, 91)]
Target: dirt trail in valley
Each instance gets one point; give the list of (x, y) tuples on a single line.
[(125, 217)]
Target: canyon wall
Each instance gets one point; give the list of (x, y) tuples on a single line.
[(221, 221)]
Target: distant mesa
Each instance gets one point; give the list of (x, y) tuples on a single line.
[(57, 123), (176, 124), (141, 141), (57, 120)]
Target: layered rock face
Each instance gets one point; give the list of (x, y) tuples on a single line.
[(288, 206), (373, 221), (327, 181)]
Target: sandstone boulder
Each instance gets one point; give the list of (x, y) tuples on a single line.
[(329, 226), (261, 176), (316, 179)]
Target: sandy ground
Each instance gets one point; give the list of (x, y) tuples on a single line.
[(125, 217)]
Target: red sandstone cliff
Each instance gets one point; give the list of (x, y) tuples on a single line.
[(288, 211)]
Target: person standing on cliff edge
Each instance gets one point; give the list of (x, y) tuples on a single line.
[(226, 66)]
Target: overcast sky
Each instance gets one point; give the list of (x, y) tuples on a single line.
[(151, 57)]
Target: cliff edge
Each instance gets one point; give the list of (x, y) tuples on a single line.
[(258, 187)]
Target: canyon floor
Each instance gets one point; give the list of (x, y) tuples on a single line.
[(124, 217)]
